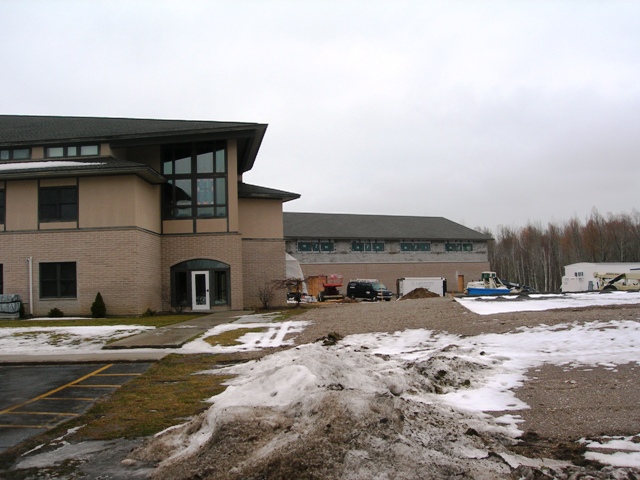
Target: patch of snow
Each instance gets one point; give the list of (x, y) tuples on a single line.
[(489, 305), (38, 165)]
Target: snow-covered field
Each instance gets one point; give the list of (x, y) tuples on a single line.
[(440, 385), (469, 377)]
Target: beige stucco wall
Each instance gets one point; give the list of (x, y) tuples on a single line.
[(118, 201), (122, 264), (21, 203), (260, 218)]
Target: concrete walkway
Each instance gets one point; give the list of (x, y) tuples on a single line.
[(146, 346)]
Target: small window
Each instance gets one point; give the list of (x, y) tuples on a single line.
[(305, 246), (72, 151), (358, 246), (467, 247), (453, 247), (15, 154), (326, 246), (58, 280), (2, 209), (415, 246), (58, 204)]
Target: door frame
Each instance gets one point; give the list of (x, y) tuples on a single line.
[(194, 303)]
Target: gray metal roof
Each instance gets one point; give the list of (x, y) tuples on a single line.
[(381, 227), (24, 130)]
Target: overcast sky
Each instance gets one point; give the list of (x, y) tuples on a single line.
[(484, 112)]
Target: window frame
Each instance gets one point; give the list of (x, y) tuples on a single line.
[(11, 154), (3, 206), (67, 148), (61, 284), (58, 204), (411, 246), (368, 246), (202, 198)]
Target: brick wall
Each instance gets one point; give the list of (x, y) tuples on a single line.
[(122, 264), (263, 262), (226, 248)]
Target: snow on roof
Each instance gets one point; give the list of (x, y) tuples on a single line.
[(4, 167)]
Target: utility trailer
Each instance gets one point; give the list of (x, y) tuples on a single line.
[(433, 284)]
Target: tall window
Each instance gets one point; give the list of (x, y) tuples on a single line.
[(196, 181), (2, 206), (58, 204), (58, 280), (1, 279)]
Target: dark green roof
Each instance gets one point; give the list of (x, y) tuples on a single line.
[(381, 227), (27, 130)]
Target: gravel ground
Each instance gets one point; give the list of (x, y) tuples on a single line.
[(565, 405)]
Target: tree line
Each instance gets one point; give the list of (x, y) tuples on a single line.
[(535, 256)]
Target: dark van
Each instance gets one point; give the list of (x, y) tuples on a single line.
[(368, 289)]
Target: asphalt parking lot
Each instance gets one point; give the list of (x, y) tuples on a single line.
[(36, 398)]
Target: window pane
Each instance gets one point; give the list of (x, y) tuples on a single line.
[(221, 211), (4, 154), (68, 212), (21, 154), (183, 212), (167, 167), (55, 152), (204, 160), (48, 213), (206, 212), (72, 151), (89, 150), (221, 191), (205, 191), (183, 160), (220, 163), (48, 288), (48, 271), (183, 192), (68, 195)]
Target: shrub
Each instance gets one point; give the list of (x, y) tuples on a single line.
[(98, 309), (56, 313), (148, 312)]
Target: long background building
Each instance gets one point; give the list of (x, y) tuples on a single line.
[(386, 247)]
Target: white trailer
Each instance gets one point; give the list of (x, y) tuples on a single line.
[(580, 277), (433, 284)]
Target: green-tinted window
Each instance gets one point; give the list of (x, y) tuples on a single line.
[(196, 181)]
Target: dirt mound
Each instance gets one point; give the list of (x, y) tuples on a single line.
[(419, 293)]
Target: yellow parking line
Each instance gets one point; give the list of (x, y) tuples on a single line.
[(55, 390), (82, 399), (2, 425), (94, 386), (57, 414)]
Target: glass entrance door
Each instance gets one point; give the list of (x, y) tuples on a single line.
[(200, 291)]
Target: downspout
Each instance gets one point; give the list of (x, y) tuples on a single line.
[(30, 262)]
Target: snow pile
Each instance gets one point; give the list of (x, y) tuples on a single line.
[(617, 451), (407, 405)]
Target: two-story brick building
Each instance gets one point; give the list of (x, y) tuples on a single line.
[(386, 247), (150, 213)]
